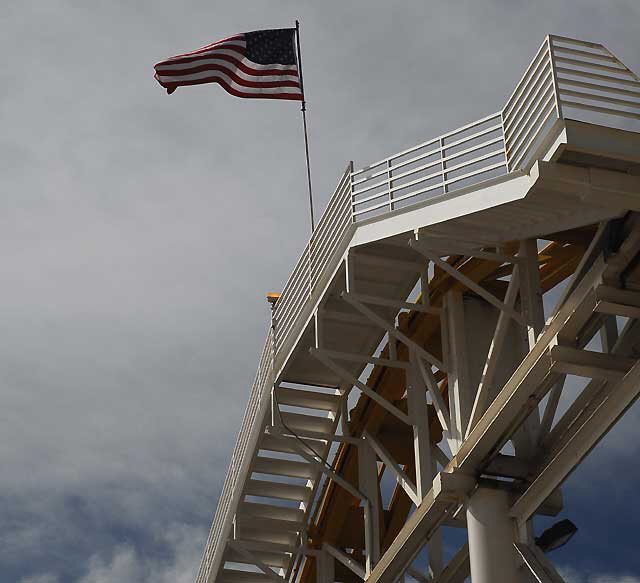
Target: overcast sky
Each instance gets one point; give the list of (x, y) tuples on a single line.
[(140, 232)]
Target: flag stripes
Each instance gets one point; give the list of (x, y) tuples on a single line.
[(238, 64)]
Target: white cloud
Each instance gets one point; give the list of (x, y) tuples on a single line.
[(127, 565), (571, 575)]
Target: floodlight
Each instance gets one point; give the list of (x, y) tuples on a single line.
[(556, 536)]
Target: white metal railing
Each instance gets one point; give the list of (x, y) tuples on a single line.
[(591, 81), (240, 457), (565, 76), (305, 276), (458, 158)]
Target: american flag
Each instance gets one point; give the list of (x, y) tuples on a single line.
[(258, 64)]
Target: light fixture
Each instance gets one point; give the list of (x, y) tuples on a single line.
[(556, 536), (272, 297)]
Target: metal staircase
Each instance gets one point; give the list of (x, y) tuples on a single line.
[(411, 339)]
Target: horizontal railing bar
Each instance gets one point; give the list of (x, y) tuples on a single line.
[(385, 203), (402, 164), (595, 97), (464, 140), (606, 78), (597, 66), (470, 150), (329, 235), (530, 122), (338, 196), (533, 126), (575, 41), (415, 181), (469, 126), (355, 193), (435, 140), (541, 91), (384, 193), (330, 247), (527, 123), (479, 134), (550, 110), (543, 50), (542, 78), (529, 85), (608, 110), (398, 155), (475, 172), (433, 187), (578, 52), (437, 162), (596, 87), (334, 205), (320, 250), (480, 158)]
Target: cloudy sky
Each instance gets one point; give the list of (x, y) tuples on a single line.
[(139, 233)]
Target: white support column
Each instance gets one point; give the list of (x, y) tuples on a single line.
[(368, 485), (491, 536), (418, 413), (460, 395), (425, 463), (608, 333), (525, 439), (530, 290)]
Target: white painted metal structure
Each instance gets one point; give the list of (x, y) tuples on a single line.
[(562, 154)]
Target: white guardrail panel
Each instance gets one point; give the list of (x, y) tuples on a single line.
[(593, 85), (454, 160), (566, 76), (239, 459), (302, 281)]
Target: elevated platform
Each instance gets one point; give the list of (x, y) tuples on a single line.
[(422, 266)]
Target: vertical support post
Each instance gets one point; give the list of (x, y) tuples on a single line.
[(608, 333), (443, 167), (530, 290), (319, 326), (368, 485), (424, 286), (350, 273), (418, 413), (525, 439), (491, 536), (460, 396), (389, 184), (352, 202), (424, 461), (505, 144)]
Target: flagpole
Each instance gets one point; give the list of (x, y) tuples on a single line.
[(304, 125)]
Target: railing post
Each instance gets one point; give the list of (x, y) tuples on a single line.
[(389, 184), (351, 201), (554, 77), (443, 167), (504, 141)]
